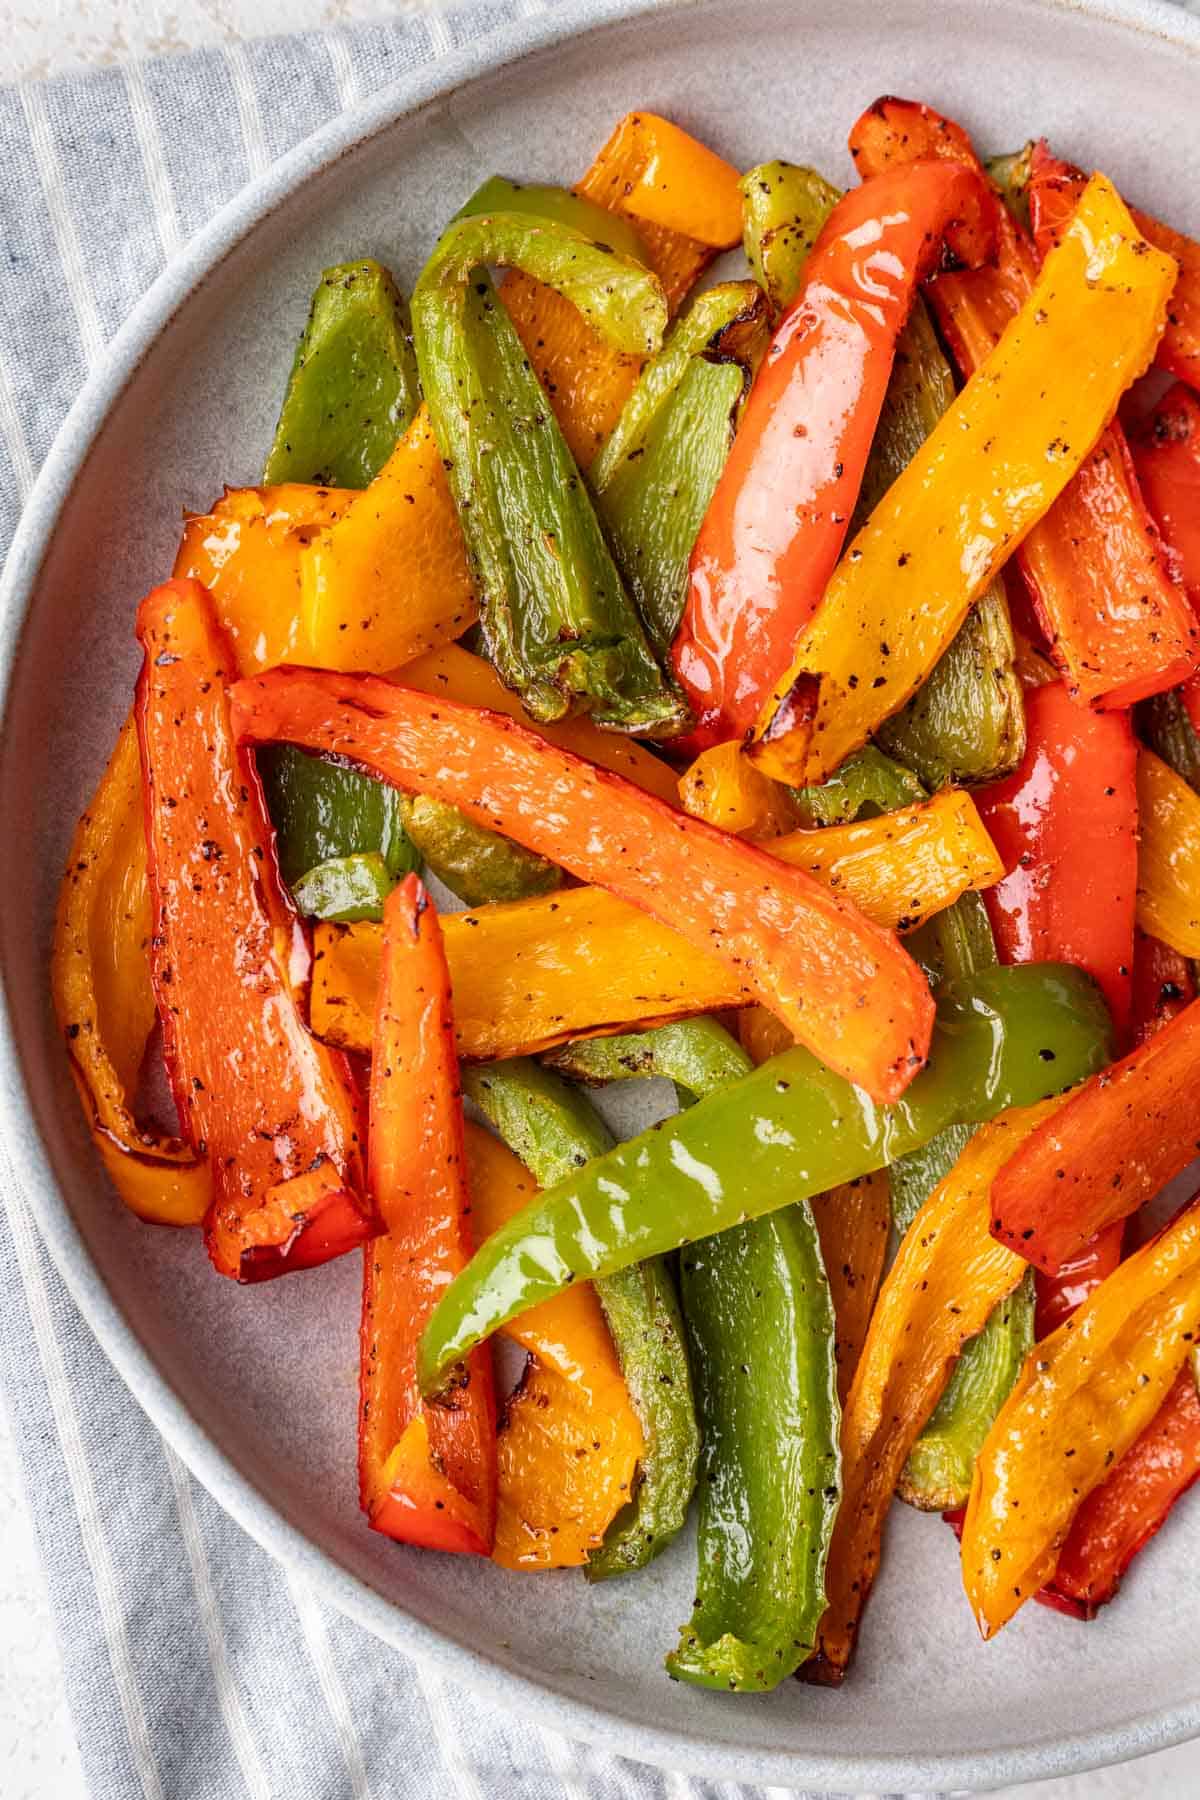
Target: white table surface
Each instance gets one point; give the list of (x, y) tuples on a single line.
[(38, 1758)]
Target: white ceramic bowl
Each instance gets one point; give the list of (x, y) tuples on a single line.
[(187, 401)]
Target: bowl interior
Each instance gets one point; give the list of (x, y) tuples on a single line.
[(756, 78)]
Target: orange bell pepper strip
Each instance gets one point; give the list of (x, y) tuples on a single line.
[(686, 203), (427, 1474), (1125, 1133), (760, 565), (948, 1275), (1083, 1399), (273, 1109), (1054, 188), (844, 985), (853, 1223), (1004, 450), (1168, 868), (1119, 1517), (100, 980), (570, 1441), (1114, 619), (722, 787)]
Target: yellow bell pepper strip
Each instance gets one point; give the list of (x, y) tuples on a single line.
[(1168, 857), (674, 182), (853, 1223), (1005, 450), (803, 951), (1084, 1397), (729, 792), (948, 1276), (1127, 1132), (100, 981), (569, 1440)]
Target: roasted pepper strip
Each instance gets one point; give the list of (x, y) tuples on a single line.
[(353, 386), (1121, 1139), (784, 208), (806, 954), (273, 1109), (557, 621), (1087, 1393), (348, 889), (727, 791), (948, 1276), (866, 784), (554, 1130), (100, 980), (1168, 857), (410, 1453), (321, 813), (1164, 725), (1166, 454), (733, 1156), (1163, 984), (1114, 619), (759, 569), (1005, 449), (852, 1223)]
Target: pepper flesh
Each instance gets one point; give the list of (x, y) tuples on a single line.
[(1121, 1139), (852, 1223), (418, 1176), (758, 569), (1090, 1390), (1116, 623), (1087, 329), (734, 1155), (802, 951), (1168, 862), (274, 1109)]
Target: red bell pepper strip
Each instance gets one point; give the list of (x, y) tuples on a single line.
[(1166, 454), (1163, 986), (842, 985), (1118, 1141), (1117, 624), (777, 520), (427, 1474), (1054, 189), (274, 1109)]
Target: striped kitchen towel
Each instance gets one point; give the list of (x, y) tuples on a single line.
[(196, 1667)]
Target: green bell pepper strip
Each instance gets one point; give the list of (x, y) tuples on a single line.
[(1011, 174), (478, 865), (353, 386), (786, 1132), (556, 1131), (561, 206), (323, 812), (557, 621), (783, 209), (655, 474), (1163, 724), (698, 1055), (348, 889), (867, 784)]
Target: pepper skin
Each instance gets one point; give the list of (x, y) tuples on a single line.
[(736, 1155), (784, 209), (1163, 984), (321, 813), (1088, 1392), (410, 1453), (804, 953), (759, 569), (853, 1223), (1168, 867), (274, 1109), (1005, 450), (866, 784), (1166, 454), (1115, 621)]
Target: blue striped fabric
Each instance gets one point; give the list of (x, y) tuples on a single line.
[(196, 1668)]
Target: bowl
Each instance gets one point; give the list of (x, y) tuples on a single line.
[(185, 401)]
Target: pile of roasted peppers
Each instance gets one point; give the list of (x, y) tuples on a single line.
[(791, 690)]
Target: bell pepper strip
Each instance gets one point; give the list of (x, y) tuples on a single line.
[(1088, 1392), (353, 386), (1165, 727), (1166, 455), (589, 380), (1119, 1517), (957, 941), (698, 1055), (1054, 188), (479, 866), (1123, 1137), (569, 1440), (427, 1474), (784, 209), (761, 1327), (758, 569), (729, 792), (322, 813), (1116, 622), (1059, 1295), (1163, 984), (555, 1130), (948, 1276), (853, 1222), (761, 1034), (1006, 449), (1065, 825), (557, 621), (559, 205), (1168, 858), (104, 1001), (799, 948), (273, 1109), (866, 784), (348, 889), (654, 475), (733, 1156)]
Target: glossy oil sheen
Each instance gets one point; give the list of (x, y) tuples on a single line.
[(930, 1707)]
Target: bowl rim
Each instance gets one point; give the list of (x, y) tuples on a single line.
[(536, 30)]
